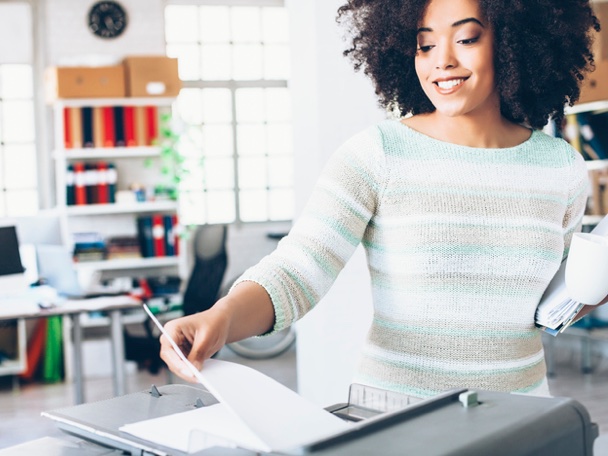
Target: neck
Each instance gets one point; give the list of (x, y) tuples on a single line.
[(487, 131)]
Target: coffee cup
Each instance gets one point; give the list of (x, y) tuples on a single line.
[(587, 268)]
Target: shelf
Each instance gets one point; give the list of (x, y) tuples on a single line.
[(129, 263), (122, 208), (107, 152), (79, 102), (12, 367), (587, 107), (594, 165)]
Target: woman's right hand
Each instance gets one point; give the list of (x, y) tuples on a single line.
[(246, 311), (198, 336)]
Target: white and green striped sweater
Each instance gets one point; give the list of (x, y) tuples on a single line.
[(461, 243)]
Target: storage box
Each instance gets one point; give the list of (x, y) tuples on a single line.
[(595, 85), (85, 82), (152, 76)]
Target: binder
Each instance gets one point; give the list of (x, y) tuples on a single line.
[(129, 118), (76, 127), (112, 177), (90, 173), (102, 183), (98, 127), (69, 186), (175, 225), (169, 235), (87, 126), (158, 235), (144, 234), (108, 126), (80, 191), (67, 131), (152, 124), (141, 132), (119, 126)]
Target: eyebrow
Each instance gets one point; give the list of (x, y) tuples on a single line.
[(455, 24)]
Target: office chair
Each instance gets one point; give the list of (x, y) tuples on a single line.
[(210, 263)]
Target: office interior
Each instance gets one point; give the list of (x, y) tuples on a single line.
[(326, 103)]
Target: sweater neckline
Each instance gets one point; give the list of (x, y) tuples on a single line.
[(444, 144)]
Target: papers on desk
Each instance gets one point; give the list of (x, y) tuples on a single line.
[(255, 412), (556, 310)]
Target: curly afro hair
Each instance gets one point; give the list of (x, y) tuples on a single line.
[(542, 52)]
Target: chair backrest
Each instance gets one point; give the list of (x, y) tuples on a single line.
[(210, 263)]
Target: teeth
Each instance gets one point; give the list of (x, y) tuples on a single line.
[(449, 84)]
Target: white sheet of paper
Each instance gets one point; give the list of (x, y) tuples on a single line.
[(278, 418)]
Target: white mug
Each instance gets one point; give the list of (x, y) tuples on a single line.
[(587, 268)]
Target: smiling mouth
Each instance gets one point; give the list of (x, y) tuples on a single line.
[(450, 84)]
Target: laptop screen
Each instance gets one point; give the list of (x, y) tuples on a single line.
[(10, 260)]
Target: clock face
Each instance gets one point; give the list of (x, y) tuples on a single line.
[(107, 19)]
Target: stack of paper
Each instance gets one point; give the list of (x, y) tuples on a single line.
[(557, 310), (254, 412)]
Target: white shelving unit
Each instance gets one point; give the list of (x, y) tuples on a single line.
[(133, 168)]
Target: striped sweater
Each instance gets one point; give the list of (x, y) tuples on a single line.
[(461, 242)]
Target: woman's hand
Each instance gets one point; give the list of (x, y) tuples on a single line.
[(199, 336), (246, 311)]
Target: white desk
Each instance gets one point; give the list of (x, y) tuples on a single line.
[(22, 308)]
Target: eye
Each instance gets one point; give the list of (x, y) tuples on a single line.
[(424, 49), (469, 41)]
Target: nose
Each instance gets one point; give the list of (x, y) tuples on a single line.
[(445, 58)]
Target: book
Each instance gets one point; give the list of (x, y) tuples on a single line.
[(108, 126), (67, 130), (169, 235), (119, 126), (557, 310), (80, 191), (87, 126), (76, 127), (69, 186), (98, 127), (158, 235), (129, 119), (144, 235)]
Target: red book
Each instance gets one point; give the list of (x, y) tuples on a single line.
[(175, 229), (108, 126), (103, 192), (80, 189), (158, 235), (152, 124), (129, 119), (67, 132)]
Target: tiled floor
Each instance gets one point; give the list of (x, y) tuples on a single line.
[(20, 408)]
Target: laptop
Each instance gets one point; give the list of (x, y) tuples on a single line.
[(56, 268)]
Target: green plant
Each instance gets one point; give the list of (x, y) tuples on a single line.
[(171, 160)]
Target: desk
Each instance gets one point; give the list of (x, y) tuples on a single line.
[(23, 308)]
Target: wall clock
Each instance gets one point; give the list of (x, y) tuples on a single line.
[(107, 19)]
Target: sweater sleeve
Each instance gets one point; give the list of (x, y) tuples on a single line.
[(307, 261), (578, 193)]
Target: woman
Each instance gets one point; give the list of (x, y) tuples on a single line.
[(464, 208)]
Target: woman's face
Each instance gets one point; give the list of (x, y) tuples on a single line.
[(455, 58)]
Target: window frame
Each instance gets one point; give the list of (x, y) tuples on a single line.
[(233, 86)]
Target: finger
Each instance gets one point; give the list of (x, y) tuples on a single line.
[(176, 364)]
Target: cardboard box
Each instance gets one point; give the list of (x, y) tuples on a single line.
[(152, 76), (85, 82), (595, 85)]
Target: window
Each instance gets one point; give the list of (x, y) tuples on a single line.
[(234, 62), (18, 160)]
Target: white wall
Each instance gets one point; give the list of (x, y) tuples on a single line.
[(331, 103), (70, 41)]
